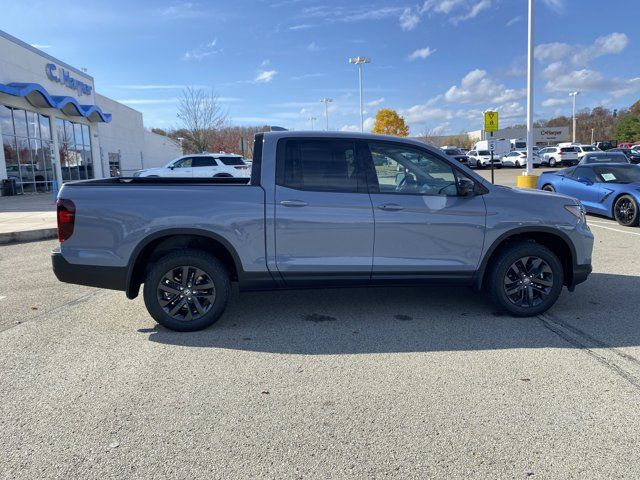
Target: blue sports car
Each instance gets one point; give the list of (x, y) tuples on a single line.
[(610, 189)]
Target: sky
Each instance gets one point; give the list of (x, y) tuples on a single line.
[(439, 63)]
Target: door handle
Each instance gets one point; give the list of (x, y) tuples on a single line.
[(293, 203), (390, 207)]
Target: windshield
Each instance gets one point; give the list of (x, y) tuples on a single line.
[(484, 152), (618, 174), (613, 157)]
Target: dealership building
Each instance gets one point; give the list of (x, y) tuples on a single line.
[(54, 126)]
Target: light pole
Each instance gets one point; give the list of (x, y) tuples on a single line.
[(326, 102), (530, 93), (312, 119), (359, 61), (574, 95)]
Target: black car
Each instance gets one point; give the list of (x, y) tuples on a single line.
[(457, 154), (633, 156)]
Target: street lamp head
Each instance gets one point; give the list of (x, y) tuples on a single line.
[(359, 60), (326, 100), (573, 94)]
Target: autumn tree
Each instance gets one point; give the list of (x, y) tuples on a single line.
[(201, 115), (388, 122)]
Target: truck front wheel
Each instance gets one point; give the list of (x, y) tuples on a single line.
[(526, 279), (187, 290)]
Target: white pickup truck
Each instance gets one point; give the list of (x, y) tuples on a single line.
[(203, 165)]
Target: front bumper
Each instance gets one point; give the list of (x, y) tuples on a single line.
[(113, 278), (580, 274)]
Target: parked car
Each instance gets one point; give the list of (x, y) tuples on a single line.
[(553, 156), (518, 158), (200, 166), (625, 145), (457, 154), (308, 217), (612, 189), (584, 149), (632, 155), (482, 158), (606, 145), (604, 157)]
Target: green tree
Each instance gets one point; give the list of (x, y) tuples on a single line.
[(388, 122), (628, 128)]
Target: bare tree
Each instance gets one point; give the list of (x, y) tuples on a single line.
[(201, 115)]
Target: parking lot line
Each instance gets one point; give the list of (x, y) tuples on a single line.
[(613, 229)]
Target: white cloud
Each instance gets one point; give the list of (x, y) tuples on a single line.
[(581, 55), (478, 87), (472, 12), (376, 102), (302, 26), (203, 51), (557, 6), (555, 102), (423, 113), (421, 53), (350, 128), (368, 124), (265, 76), (514, 20), (314, 47), (409, 19)]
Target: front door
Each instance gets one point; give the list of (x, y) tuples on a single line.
[(323, 217), (580, 183), (423, 228), (182, 168)]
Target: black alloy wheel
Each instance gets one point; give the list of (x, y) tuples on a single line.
[(625, 211)]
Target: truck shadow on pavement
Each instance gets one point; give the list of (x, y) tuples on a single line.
[(418, 319)]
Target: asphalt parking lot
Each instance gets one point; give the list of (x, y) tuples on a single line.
[(356, 383)]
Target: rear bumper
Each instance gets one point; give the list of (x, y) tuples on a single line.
[(113, 278)]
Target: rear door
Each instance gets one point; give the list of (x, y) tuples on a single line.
[(423, 228), (323, 216), (203, 166)]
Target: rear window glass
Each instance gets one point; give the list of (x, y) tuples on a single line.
[(232, 160), (568, 149), (318, 165)]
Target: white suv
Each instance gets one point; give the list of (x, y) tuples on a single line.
[(201, 165), (482, 158), (584, 149), (518, 158), (565, 156)]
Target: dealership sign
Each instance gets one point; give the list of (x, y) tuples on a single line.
[(63, 76), (548, 134)]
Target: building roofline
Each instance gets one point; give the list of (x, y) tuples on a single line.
[(22, 44)]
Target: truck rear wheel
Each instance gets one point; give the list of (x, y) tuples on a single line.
[(187, 290), (526, 279)]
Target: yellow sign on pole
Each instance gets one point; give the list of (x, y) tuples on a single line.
[(490, 121)]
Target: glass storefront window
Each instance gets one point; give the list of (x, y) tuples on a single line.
[(20, 122), (26, 138)]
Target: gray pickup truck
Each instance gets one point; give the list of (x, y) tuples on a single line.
[(320, 210)]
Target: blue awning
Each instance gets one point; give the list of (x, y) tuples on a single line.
[(38, 96)]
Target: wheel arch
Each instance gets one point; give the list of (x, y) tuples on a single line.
[(160, 243), (558, 242)]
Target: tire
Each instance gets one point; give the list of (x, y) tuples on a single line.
[(625, 211), (548, 188), (552, 162), (542, 266), (201, 267)]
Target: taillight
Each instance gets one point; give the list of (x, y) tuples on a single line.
[(66, 218)]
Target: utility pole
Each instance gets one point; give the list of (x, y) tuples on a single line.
[(326, 102), (574, 95), (312, 119), (530, 92), (359, 61)]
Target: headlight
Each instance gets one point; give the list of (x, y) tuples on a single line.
[(577, 211)]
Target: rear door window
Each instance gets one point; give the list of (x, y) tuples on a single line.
[(327, 165), (203, 162), (232, 160)]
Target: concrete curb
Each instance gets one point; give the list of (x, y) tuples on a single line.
[(28, 235)]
